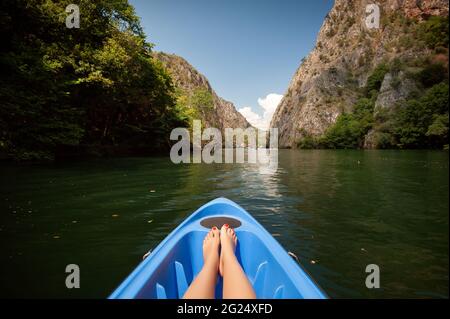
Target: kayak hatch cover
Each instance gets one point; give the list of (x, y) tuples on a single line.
[(170, 268)]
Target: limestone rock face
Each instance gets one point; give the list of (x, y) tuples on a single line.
[(223, 114), (329, 80), (421, 9), (394, 89)]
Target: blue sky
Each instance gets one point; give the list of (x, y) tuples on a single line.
[(247, 49)]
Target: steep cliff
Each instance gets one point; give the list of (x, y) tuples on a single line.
[(213, 110), (333, 76)]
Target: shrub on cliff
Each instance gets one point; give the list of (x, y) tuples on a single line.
[(375, 80), (423, 122), (434, 31), (350, 128)]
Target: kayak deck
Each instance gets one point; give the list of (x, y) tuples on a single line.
[(170, 268)]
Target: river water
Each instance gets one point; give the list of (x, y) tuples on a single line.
[(338, 211)]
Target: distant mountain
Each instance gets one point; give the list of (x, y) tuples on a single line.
[(213, 110), (386, 66)]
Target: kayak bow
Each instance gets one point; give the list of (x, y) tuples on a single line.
[(172, 265)]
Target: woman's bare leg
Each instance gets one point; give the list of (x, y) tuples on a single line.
[(203, 286), (235, 283)]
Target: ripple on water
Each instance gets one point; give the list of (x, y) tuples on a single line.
[(336, 210)]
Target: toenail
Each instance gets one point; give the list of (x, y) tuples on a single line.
[(226, 225), (214, 228)]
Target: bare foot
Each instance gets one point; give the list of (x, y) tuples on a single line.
[(228, 241), (211, 248)]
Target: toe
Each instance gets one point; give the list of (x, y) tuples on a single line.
[(215, 231)]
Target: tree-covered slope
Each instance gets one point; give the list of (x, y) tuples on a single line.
[(196, 97), (96, 85)]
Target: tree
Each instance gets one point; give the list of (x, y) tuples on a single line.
[(94, 85), (423, 122)]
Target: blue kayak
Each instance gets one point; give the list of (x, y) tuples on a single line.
[(172, 265)]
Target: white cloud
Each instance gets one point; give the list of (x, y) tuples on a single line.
[(269, 105)]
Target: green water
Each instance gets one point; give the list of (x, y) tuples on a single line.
[(341, 209)]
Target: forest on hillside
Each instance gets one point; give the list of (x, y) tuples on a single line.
[(95, 86)]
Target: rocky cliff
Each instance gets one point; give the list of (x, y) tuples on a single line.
[(331, 78), (221, 113)]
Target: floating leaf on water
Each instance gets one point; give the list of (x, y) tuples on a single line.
[(74, 222), (362, 249), (313, 262), (115, 215), (152, 191), (276, 235), (56, 237), (150, 221), (147, 254)]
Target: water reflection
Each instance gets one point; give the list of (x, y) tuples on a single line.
[(336, 210)]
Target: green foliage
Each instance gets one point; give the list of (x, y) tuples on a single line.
[(384, 140), (193, 105), (406, 42), (202, 99), (395, 83), (423, 122), (396, 66), (375, 80), (345, 133), (94, 85), (434, 31), (350, 128), (308, 142), (439, 127), (348, 131), (432, 73)]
